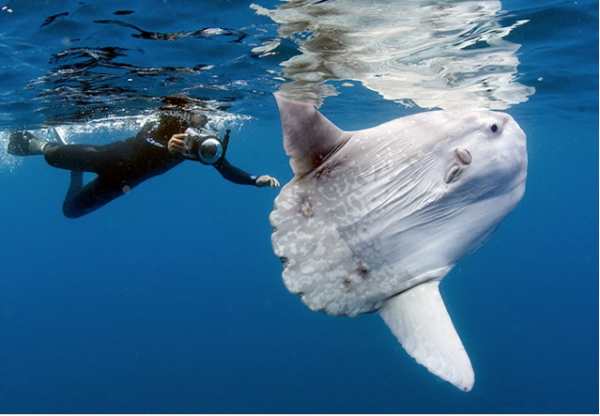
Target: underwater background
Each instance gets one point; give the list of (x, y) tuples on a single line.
[(170, 299)]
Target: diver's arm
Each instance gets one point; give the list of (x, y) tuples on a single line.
[(233, 174)]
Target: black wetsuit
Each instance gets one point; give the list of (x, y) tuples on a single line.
[(120, 166)]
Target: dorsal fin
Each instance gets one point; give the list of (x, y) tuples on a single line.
[(308, 137)]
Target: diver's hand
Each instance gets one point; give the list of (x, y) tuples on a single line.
[(176, 143), (266, 180)]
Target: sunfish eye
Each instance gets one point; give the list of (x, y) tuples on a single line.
[(494, 128)]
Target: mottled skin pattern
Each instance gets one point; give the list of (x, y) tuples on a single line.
[(388, 210), (374, 219)]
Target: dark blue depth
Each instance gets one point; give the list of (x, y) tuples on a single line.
[(170, 300)]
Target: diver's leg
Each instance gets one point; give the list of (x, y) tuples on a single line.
[(78, 157), (75, 186), (82, 200)]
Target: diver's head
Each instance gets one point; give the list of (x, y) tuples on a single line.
[(175, 122)]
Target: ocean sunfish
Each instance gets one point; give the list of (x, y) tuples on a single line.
[(374, 219)]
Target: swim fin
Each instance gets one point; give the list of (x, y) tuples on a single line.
[(23, 143), (57, 137)]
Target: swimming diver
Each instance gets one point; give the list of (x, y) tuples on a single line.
[(123, 165)]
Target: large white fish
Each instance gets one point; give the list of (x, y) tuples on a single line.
[(374, 219)]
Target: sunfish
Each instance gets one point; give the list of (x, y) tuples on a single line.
[(374, 219)]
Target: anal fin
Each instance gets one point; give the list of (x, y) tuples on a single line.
[(420, 321)]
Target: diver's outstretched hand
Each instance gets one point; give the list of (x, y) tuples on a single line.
[(266, 180)]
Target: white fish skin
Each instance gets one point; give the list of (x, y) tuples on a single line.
[(373, 214)]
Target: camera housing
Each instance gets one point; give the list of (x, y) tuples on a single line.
[(205, 147)]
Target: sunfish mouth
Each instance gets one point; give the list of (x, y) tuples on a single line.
[(464, 158), (464, 155)]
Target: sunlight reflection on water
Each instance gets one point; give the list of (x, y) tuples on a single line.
[(424, 53)]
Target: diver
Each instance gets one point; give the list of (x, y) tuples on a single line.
[(123, 165)]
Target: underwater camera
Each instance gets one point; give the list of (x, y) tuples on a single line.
[(205, 146)]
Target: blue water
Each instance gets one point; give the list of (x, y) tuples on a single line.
[(170, 299)]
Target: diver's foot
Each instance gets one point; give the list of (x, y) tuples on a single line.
[(23, 143)]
